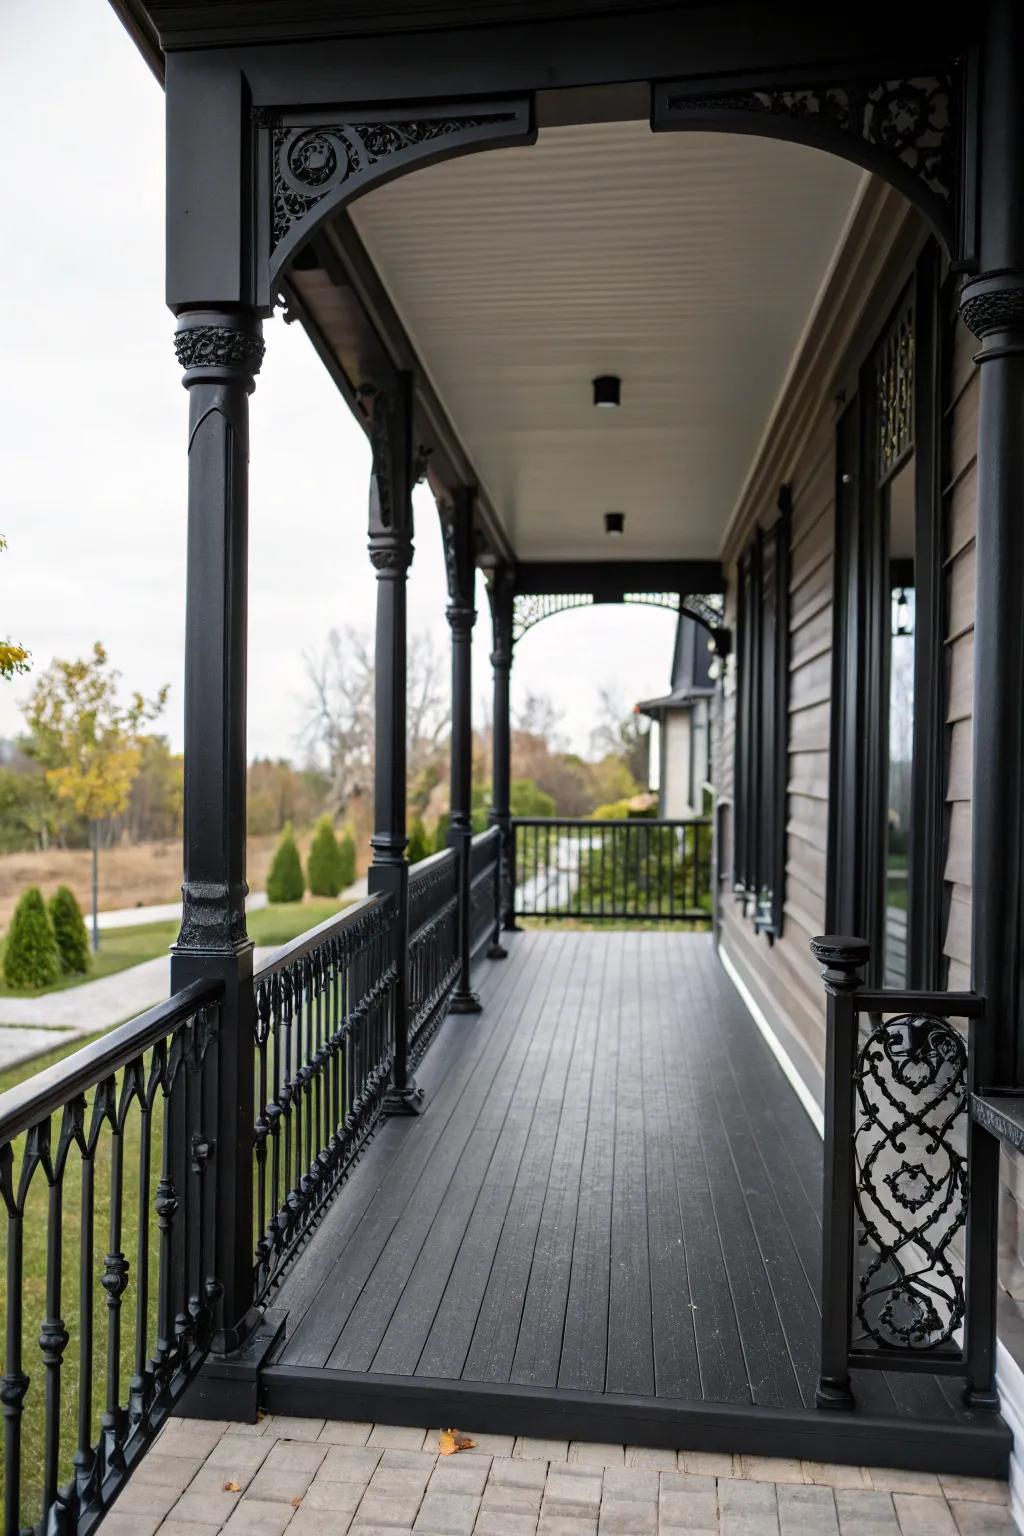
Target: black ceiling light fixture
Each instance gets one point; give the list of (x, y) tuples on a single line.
[(615, 524), (607, 391)]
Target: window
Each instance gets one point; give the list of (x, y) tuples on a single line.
[(761, 723)]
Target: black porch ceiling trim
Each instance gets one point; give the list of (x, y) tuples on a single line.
[(609, 580)]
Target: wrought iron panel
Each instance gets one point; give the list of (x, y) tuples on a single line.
[(107, 1178), (433, 947), (911, 1189), (894, 391), (324, 1052)]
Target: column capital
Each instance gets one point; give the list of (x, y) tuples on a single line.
[(991, 303), (390, 555), (461, 618), (219, 344)]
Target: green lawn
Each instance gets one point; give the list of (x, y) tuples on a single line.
[(124, 947), (272, 926)]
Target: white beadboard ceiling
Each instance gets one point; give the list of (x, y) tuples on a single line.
[(688, 264)]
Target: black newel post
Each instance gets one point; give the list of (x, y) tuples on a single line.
[(500, 595), (457, 528), (992, 306), (221, 353), (390, 529), (842, 961)]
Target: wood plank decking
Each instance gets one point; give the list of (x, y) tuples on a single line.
[(605, 1224)]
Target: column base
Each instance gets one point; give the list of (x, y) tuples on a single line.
[(465, 1002), (227, 1386), (409, 1100), (987, 1399), (511, 926), (497, 951), (834, 1392)]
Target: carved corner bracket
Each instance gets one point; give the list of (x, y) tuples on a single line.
[(310, 164), (907, 128)]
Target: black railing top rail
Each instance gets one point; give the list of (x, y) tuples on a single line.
[(432, 862), (953, 1005), (47, 1092), (311, 940), (489, 835), (601, 821)]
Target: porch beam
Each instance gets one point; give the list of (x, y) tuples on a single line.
[(388, 407), (457, 528), (609, 580)]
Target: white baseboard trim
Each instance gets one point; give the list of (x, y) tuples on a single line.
[(1009, 1376), (1010, 1381), (773, 1042)]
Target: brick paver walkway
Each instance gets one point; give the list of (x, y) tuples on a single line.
[(324, 1479)]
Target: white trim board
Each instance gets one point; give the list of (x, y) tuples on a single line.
[(774, 1044), (1009, 1376)]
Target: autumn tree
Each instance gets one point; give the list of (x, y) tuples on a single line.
[(13, 657), (89, 743)]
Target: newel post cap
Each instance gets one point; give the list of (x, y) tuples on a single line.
[(842, 957)]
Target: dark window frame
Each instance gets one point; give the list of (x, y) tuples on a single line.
[(859, 716), (762, 717)]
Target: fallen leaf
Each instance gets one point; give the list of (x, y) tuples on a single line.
[(296, 1502), (451, 1441), (232, 1487)]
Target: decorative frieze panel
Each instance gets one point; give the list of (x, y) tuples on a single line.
[(309, 161), (894, 391), (905, 128), (531, 608)]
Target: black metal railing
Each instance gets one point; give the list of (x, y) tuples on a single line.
[(907, 1283), (635, 869), (485, 891), (433, 947), (325, 1031), (105, 1162)]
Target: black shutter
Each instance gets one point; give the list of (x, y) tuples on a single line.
[(762, 744)]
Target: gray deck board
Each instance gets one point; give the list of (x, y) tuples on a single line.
[(612, 1191)]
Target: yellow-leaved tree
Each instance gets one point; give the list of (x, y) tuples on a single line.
[(13, 657), (89, 743)]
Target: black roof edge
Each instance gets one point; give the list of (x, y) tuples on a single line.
[(140, 28)]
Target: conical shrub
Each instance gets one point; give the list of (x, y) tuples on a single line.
[(70, 932), (285, 881), (418, 847), (346, 860), (323, 867), (31, 956)]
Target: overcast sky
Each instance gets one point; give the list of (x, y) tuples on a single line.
[(93, 420)]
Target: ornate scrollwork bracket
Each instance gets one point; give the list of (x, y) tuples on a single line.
[(312, 164), (388, 409), (907, 128)]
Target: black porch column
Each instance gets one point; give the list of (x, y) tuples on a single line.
[(500, 595), (992, 306), (457, 528), (221, 353), (390, 411)]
